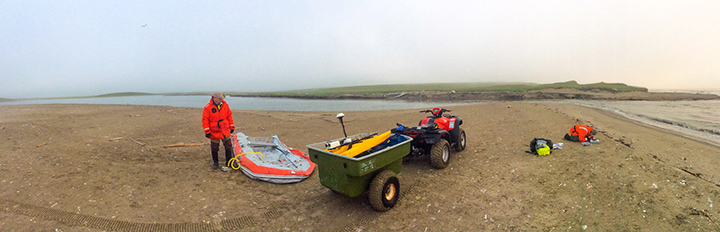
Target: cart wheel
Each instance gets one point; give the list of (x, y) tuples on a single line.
[(384, 191), (461, 141), (440, 154)]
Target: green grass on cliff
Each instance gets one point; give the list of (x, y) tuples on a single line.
[(458, 87), (124, 94)]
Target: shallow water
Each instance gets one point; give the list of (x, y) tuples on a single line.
[(696, 119), (245, 103)]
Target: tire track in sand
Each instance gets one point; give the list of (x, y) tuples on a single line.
[(75, 219), (369, 217)]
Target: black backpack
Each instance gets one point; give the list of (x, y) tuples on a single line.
[(539, 141)]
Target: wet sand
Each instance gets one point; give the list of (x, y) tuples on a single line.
[(104, 168)]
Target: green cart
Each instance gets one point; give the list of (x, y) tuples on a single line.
[(376, 171)]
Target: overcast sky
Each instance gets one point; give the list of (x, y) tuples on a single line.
[(78, 48)]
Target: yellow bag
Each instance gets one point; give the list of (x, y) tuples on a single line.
[(544, 150)]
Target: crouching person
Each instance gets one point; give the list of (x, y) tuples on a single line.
[(583, 134), (218, 125)]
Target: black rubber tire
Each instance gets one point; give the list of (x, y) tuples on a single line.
[(440, 154), (462, 141), (384, 191)]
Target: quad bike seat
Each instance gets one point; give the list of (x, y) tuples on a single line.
[(429, 126)]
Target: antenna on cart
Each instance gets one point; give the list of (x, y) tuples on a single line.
[(340, 117)]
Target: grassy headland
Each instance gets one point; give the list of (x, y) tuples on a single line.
[(486, 91), (469, 87), (469, 91), (124, 94)]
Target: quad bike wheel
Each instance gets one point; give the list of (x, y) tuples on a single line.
[(384, 191), (440, 154), (460, 146)]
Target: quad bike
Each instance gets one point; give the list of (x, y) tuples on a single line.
[(435, 135)]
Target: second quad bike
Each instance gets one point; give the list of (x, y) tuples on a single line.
[(435, 135)]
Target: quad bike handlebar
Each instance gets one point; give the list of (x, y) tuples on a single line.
[(430, 111), (437, 111)]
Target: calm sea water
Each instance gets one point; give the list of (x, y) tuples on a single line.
[(696, 119), (247, 103)]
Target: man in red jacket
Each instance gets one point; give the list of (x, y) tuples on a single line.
[(583, 134), (218, 124)]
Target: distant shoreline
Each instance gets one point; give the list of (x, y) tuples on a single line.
[(505, 96), (456, 92), (437, 96)]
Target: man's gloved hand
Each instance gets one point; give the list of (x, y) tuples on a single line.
[(232, 131), (586, 143), (207, 135)]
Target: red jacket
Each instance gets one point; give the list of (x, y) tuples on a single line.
[(217, 120), (581, 131)]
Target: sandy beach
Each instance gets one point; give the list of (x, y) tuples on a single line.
[(104, 168)]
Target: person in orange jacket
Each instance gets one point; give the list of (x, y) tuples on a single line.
[(583, 134), (218, 125)]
